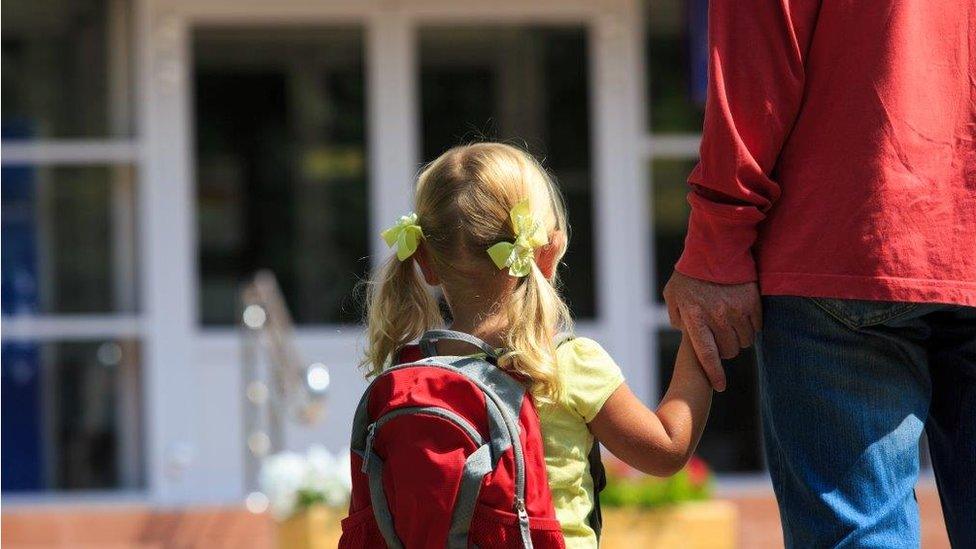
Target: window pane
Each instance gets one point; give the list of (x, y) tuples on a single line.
[(281, 168), (671, 210), (68, 240), (732, 441), (71, 416), (676, 58), (522, 85), (67, 69)]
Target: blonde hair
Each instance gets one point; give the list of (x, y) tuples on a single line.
[(463, 202)]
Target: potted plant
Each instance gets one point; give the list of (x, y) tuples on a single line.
[(644, 511), (307, 495)]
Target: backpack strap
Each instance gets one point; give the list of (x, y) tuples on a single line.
[(599, 475), (428, 342), (377, 496), (563, 337), (361, 443), (478, 464)]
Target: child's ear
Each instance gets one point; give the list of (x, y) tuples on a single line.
[(423, 259), (547, 257)]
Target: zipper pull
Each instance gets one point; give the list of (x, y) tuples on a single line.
[(520, 510), (523, 518), (520, 507), (368, 451)]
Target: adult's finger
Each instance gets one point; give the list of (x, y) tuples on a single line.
[(744, 332), (674, 316), (703, 342), (725, 338)]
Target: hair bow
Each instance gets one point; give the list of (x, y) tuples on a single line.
[(405, 235), (529, 235)]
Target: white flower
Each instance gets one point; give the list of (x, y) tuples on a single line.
[(282, 476), (345, 473), (317, 473)]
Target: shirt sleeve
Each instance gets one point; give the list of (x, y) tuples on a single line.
[(755, 88), (589, 376)]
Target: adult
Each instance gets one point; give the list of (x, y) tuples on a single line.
[(838, 179)]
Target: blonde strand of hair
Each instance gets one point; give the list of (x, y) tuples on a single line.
[(400, 309), (536, 315)]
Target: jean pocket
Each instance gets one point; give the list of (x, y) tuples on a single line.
[(859, 313)]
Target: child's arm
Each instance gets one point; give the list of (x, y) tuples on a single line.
[(658, 443)]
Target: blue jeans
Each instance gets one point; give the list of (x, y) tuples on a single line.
[(846, 389)]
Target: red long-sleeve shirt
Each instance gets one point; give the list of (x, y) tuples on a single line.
[(838, 155)]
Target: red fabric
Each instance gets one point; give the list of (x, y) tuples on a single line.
[(499, 529), (838, 154), (423, 457), (410, 353)]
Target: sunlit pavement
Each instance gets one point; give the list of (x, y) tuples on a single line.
[(759, 518), (132, 527)]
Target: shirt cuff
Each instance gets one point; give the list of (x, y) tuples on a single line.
[(718, 247)]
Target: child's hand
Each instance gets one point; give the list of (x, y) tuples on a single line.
[(686, 364), (659, 443)]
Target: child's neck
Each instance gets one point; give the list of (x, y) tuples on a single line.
[(488, 328)]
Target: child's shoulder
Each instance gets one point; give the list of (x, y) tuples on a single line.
[(588, 375), (570, 347), (582, 354)]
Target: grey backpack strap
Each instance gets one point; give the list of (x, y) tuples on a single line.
[(563, 337), (361, 443), (428, 342), (377, 496), (478, 464)]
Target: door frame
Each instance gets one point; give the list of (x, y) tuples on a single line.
[(186, 366)]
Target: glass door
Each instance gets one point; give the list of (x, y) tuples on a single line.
[(281, 168)]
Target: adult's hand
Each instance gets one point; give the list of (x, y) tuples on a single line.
[(719, 319)]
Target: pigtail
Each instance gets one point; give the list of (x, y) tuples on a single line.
[(400, 309), (536, 315)]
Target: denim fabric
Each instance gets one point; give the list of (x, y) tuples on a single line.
[(846, 389)]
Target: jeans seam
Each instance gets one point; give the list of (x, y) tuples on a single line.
[(870, 320)]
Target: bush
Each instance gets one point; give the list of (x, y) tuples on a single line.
[(627, 487)]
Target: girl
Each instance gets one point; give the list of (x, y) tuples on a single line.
[(490, 229)]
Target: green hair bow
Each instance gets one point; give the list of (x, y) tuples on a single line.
[(529, 235), (405, 235)]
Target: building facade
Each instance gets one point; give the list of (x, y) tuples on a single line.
[(158, 152)]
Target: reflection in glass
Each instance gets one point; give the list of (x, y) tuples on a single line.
[(670, 207), (67, 68), (526, 86), (675, 31), (69, 240), (732, 441), (71, 416), (281, 167)]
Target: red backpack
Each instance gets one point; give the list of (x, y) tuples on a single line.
[(447, 452)]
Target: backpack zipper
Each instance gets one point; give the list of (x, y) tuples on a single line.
[(436, 411)]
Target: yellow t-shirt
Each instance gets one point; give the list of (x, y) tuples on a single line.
[(589, 376)]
